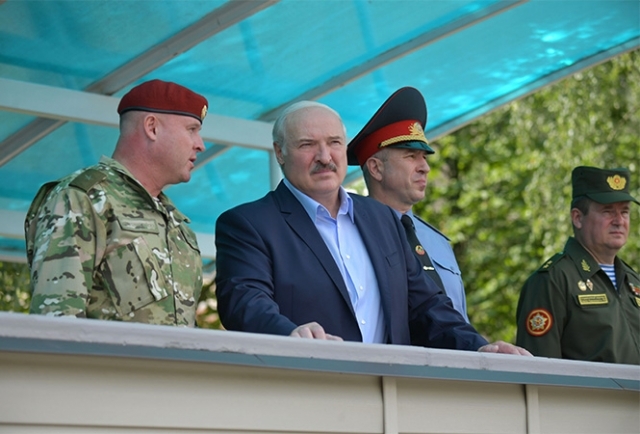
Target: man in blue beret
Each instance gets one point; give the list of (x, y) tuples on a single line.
[(105, 242), (584, 303)]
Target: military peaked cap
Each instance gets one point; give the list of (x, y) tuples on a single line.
[(398, 123)]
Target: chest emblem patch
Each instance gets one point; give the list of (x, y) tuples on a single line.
[(635, 289), (539, 322)]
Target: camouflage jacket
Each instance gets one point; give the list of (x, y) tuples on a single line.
[(100, 246)]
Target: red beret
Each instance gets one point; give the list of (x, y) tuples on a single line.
[(164, 97), (398, 123)]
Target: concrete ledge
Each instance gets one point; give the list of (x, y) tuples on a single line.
[(72, 376), (34, 333)]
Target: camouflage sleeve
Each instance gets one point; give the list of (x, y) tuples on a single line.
[(64, 254), (540, 315)]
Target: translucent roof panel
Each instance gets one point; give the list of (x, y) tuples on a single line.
[(65, 64)]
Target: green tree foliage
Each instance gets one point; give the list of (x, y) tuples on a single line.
[(207, 311), (500, 188), (14, 287)]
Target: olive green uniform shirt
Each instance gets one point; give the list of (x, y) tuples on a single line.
[(100, 246), (570, 309)]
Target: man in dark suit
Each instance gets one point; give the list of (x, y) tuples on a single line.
[(311, 260)]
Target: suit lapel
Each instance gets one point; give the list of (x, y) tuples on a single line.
[(298, 219)]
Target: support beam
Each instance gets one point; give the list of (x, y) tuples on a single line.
[(397, 52), (214, 22), (275, 173), (65, 105), (536, 85)]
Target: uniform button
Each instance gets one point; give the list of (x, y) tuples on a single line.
[(348, 256), (363, 322)]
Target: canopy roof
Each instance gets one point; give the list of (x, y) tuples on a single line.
[(65, 64)]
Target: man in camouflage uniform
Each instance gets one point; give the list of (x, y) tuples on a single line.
[(105, 242), (584, 303)]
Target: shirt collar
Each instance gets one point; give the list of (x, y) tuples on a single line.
[(311, 206), (399, 214)]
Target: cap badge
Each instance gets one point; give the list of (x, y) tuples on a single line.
[(617, 182), (416, 130), (539, 322), (585, 266), (420, 250), (415, 133), (203, 114), (582, 286)]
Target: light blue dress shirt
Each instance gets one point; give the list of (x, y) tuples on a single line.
[(343, 240), (444, 261)]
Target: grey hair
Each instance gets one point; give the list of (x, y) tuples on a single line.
[(279, 127)]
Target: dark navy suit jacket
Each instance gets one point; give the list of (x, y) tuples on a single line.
[(274, 273)]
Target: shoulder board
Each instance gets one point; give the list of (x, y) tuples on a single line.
[(434, 228), (88, 178), (551, 262)]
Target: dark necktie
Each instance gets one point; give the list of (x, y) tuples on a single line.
[(419, 250)]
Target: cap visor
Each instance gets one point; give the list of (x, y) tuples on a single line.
[(607, 198), (422, 146)]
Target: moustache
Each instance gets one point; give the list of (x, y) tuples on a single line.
[(320, 166)]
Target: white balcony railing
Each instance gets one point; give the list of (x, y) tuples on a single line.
[(73, 376)]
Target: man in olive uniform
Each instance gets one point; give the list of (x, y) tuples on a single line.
[(584, 303), (105, 242)]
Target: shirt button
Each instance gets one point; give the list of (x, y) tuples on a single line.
[(363, 322), (348, 256)]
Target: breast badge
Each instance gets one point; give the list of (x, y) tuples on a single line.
[(636, 292), (582, 286), (539, 322)]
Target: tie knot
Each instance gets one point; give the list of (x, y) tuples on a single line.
[(407, 222)]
